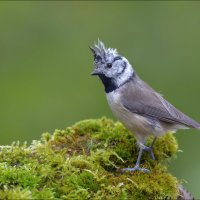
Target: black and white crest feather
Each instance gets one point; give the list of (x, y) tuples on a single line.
[(99, 50)]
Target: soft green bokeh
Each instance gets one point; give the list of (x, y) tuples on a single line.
[(45, 65)]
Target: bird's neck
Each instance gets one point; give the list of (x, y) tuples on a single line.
[(111, 84)]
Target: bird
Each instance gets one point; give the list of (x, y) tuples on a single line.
[(141, 109)]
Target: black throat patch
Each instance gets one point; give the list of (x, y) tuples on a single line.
[(109, 83)]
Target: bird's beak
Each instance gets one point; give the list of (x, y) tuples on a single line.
[(96, 72)]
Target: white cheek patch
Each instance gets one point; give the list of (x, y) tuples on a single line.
[(122, 68), (126, 73)]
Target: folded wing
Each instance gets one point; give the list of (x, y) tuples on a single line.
[(141, 99)]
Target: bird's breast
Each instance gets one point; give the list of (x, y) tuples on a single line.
[(122, 114), (114, 101)]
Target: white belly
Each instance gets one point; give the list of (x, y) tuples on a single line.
[(140, 126)]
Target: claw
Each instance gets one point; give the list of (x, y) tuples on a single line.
[(136, 168)]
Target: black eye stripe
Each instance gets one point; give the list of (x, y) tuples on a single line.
[(117, 58), (109, 65)]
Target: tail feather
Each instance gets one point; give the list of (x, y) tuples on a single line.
[(195, 125)]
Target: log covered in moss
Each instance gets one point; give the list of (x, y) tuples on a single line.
[(83, 162)]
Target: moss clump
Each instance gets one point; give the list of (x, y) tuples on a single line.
[(83, 162)]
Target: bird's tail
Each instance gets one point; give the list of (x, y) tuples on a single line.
[(196, 126)]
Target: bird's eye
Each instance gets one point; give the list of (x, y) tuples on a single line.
[(109, 65)]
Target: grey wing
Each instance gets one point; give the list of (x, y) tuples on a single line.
[(141, 99)]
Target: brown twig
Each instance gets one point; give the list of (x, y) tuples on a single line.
[(184, 194)]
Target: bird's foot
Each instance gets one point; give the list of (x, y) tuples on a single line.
[(136, 168), (149, 149)]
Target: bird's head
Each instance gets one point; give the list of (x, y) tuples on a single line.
[(111, 67)]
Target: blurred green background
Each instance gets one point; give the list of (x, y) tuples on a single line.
[(45, 65)]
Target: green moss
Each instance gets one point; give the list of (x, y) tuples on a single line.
[(83, 162)]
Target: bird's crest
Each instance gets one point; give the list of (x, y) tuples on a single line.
[(99, 50)]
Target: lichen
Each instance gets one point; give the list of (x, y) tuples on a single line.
[(83, 162)]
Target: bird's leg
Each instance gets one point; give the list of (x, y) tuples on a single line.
[(150, 149), (137, 165)]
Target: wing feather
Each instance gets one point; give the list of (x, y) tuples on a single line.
[(142, 99)]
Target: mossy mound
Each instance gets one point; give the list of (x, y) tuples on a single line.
[(83, 162)]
